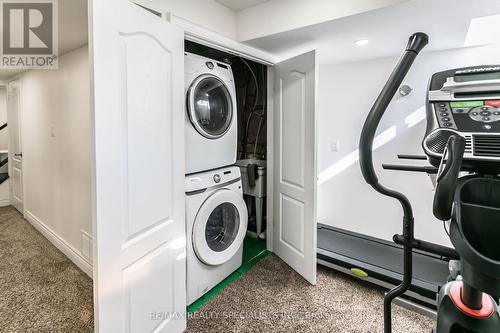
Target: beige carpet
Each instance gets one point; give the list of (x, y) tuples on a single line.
[(271, 297), (40, 289)]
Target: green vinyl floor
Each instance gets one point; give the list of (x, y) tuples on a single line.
[(254, 250)]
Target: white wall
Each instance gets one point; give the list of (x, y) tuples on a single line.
[(56, 149), (346, 94), (208, 14), (276, 16)]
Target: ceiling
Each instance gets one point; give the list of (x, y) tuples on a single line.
[(73, 31), (238, 5), (387, 29)]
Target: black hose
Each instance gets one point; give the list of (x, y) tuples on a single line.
[(252, 110)]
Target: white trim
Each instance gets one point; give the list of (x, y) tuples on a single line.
[(270, 159), (195, 33), (90, 239), (4, 202), (73, 254)]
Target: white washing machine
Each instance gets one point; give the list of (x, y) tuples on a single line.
[(211, 124), (216, 220)]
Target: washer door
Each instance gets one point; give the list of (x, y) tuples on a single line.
[(219, 227), (210, 106)]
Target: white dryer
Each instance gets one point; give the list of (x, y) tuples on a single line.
[(216, 220), (211, 117)]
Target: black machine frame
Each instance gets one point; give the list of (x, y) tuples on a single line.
[(407, 239), (464, 304)]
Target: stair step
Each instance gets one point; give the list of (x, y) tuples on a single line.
[(3, 177)]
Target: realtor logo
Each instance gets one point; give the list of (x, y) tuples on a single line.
[(29, 34)]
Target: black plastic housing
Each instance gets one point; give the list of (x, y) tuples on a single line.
[(475, 231), (448, 177)]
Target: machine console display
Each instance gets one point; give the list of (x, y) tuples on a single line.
[(475, 76), (485, 115), (465, 101)]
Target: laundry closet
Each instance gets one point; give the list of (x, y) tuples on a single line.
[(192, 186), (229, 100), (226, 151), (250, 83)]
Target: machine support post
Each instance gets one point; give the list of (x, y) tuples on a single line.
[(471, 297), (408, 231)]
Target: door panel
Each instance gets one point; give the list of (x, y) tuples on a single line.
[(292, 226), (15, 146), (293, 111), (138, 177), (147, 95), (294, 234)]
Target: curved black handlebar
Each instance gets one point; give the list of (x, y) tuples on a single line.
[(415, 44), (448, 177)]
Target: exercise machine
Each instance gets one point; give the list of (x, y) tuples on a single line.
[(378, 261), (462, 136)]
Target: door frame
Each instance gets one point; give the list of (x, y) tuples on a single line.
[(200, 35), (19, 79)]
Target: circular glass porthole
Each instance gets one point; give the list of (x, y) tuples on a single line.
[(210, 106), (220, 227)]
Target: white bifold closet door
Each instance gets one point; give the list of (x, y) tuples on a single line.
[(294, 161), (138, 178), (15, 144)]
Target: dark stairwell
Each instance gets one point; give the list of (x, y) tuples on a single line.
[(3, 175)]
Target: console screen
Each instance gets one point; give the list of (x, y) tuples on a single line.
[(466, 104), (477, 77)]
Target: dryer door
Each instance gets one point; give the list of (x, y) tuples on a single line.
[(210, 106), (220, 227)]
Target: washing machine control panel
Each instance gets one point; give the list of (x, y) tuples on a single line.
[(217, 178), (204, 180)]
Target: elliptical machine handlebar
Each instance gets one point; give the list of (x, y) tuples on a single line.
[(448, 177), (415, 44)]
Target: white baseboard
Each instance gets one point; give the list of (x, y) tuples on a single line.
[(4, 202), (63, 246)]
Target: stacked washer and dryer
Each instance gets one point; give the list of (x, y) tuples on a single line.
[(216, 214)]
